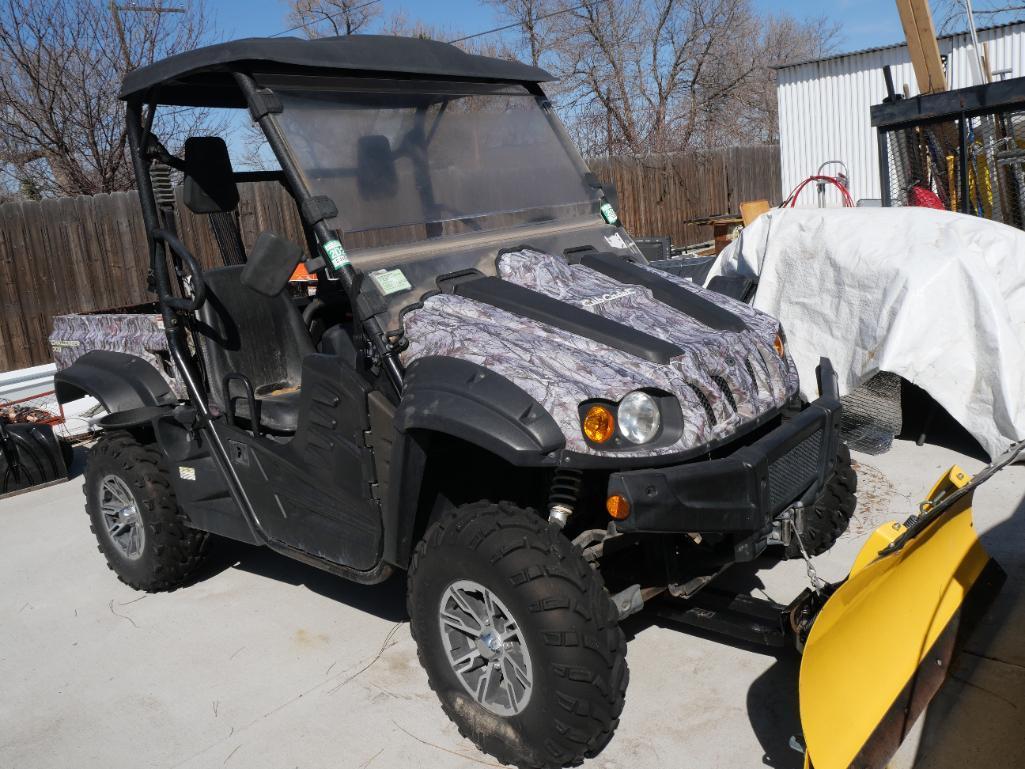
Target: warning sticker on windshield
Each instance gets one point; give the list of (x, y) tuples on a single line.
[(390, 281), (608, 213)]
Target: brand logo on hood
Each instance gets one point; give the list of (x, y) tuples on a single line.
[(595, 301)]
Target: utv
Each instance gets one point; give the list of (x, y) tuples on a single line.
[(490, 388)]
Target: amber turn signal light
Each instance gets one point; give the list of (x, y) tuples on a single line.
[(779, 346), (618, 507), (599, 424)]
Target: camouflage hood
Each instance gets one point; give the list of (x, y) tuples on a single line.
[(723, 379)]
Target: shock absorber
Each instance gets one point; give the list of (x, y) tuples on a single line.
[(563, 494)]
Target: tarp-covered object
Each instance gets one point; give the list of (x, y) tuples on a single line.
[(935, 297)]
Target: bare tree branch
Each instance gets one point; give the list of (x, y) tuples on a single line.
[(642, 76), (62, 127), (951, 17), (326, 18)]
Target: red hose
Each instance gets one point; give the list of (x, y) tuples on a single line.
[(792, 198)]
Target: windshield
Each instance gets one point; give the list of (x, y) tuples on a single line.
[(407, 161)]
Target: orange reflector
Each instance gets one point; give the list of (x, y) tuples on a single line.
[(599, 424), (779, 346), (618, 507)]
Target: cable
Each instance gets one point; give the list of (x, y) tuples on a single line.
[(791, 200), (325, 17), (521, 23)]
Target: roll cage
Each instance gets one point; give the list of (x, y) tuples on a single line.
[(236, 75)]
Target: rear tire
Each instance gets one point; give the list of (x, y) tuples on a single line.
[(574, 651), (828, 518), (134, 515)]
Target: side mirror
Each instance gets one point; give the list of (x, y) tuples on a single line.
[(376, 177), (271, 263)]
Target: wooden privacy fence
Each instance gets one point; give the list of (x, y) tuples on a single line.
[(89, 253), (658, 194)]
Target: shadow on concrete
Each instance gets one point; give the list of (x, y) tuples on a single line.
[(772, 699), (772, 708), (977, 717), (386, 600), (77, 465), (921, 414)]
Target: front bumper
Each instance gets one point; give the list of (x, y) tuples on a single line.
[(743, 492)]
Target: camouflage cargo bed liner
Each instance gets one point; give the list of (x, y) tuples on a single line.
[(140, 334)]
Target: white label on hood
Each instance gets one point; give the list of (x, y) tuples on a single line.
[(594, 301)]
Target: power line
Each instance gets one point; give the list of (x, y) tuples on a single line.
[(325, 17), (521, 23)]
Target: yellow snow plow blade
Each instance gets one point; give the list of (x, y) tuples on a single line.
[(880, 647)]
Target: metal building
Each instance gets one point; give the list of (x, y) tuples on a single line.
[(824, 104)]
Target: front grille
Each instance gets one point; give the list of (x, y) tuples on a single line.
[(705, 403), (794, 471), (723, 385), (751, 372)]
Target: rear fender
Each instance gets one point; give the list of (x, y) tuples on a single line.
[(119, 381)]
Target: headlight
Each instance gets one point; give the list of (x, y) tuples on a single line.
[(639, 417)]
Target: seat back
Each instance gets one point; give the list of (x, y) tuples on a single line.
[(241, 331)]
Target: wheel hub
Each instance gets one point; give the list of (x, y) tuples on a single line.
[(485, 647), (490, 645), (121, 517)]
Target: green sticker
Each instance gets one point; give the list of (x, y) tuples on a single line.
[(390, 281), (336, 254), (608, 213)]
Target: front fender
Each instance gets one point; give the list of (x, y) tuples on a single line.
[(462, 399), (465, 400), (119, 381)]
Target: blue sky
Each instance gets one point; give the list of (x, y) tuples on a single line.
[(864, 23)]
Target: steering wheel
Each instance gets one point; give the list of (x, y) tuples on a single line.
[(195, 272)]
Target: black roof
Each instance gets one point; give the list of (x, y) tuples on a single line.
[(202, 77)]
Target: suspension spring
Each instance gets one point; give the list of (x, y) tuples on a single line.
[(563, 494)]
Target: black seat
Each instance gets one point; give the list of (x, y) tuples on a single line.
[(262, 338)]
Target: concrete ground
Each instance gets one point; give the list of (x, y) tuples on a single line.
[(267, 663)]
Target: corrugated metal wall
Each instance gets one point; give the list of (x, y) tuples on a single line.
[(824, 105)]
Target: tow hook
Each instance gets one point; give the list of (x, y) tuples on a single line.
[(789, 521)]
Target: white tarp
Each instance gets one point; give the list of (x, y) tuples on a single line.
[(935, 297)]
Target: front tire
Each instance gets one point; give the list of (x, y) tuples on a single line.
[(831, 513), (493, 583), (134, 515)]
